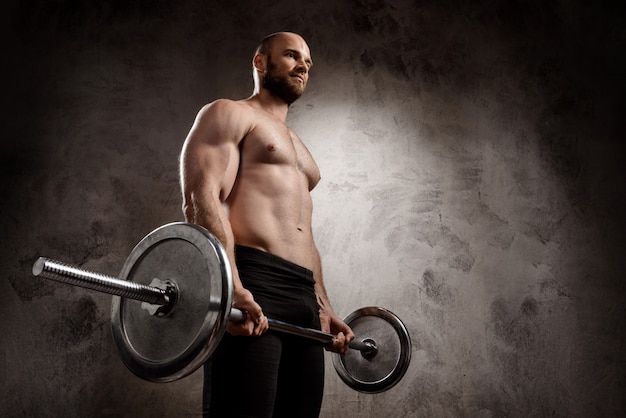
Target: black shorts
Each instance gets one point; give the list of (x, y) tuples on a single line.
[(285, 291), (277, 374)]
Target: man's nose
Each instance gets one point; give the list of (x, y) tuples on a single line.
[(301, 66)]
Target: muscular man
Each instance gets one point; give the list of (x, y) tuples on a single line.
[(247, 177)]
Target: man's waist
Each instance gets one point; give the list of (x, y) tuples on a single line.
[(249, 257)]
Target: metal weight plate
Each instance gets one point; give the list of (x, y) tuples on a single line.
[(380, 372), (169, 347)]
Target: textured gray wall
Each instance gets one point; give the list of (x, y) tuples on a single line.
[(473, 183)]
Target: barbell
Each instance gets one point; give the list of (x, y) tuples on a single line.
[(181, 275)]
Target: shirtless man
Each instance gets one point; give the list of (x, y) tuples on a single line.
[(246, 177)]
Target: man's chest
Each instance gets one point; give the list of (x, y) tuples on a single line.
[(269, 143), (274, 143)]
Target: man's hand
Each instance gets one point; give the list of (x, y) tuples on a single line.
[(343, 333), (255, 322)]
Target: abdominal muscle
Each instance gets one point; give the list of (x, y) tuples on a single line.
[(270, 209)]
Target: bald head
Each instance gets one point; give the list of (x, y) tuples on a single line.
[(265, 46)]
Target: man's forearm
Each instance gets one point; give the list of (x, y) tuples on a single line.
[(320, 289), (212, 216)]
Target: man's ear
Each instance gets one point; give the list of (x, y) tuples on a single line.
[(260, 63)]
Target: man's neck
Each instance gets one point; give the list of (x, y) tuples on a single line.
[(271, 104)]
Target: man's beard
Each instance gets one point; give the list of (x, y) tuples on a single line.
[(281, 86)]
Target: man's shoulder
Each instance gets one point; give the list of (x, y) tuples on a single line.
[(225, 118), (225, 111), (227, 105)]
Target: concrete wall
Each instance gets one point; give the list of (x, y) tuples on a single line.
[(473, 183)]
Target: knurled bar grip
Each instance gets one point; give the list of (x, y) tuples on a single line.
[(314, 334), (62, 272)]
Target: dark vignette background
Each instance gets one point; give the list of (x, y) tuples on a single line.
[(485, 136)]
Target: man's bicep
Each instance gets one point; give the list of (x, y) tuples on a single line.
[(210, 156)]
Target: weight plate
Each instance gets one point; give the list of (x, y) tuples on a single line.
[(169, 347), (380, 372)]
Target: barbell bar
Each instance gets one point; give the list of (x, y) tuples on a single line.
[(162, 300), (181, 275)]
